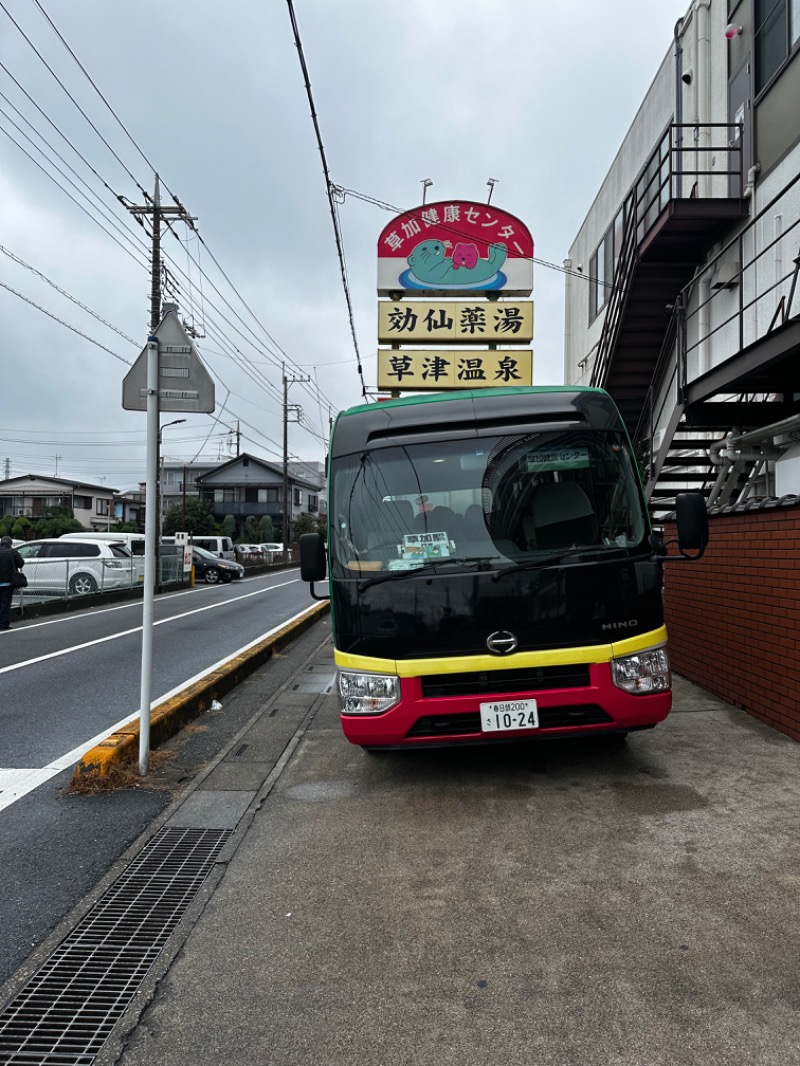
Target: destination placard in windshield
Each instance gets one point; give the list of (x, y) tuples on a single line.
[(424, 546), (542, 459)]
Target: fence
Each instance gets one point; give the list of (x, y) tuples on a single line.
[(69, 579)]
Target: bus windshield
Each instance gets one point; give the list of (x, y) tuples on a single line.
[(497, 500)]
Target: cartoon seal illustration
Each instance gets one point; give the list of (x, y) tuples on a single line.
[(432, 267)]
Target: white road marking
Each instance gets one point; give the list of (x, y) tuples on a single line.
[(92, 612), (138, 629), (18, 782)]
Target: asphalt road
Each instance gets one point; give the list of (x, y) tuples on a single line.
[(66, 680)]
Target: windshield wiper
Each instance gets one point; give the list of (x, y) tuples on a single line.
[(399, 575), (575, 557)]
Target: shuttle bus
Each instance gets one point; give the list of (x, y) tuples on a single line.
[(492, 571)]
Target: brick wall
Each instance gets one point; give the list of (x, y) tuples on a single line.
[(733, 617)]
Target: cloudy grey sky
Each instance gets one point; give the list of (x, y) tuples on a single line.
[(537, 95)]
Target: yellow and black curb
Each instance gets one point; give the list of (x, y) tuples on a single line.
[(121, 749)]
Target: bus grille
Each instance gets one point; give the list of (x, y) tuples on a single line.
[(484, 682), (448, 725)]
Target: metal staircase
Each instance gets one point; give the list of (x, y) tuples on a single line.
[(718, 433)]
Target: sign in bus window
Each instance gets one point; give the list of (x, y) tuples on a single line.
[(424, 546), (544, 459)]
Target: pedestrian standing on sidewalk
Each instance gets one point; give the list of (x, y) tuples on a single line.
[(10, 562)]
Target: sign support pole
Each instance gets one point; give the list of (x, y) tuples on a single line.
[(151, 523), (150, 555), (141, 391)]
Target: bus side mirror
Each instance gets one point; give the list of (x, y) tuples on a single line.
[(691, 519), (313, 565)]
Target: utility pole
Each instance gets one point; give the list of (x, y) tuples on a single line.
[(157, 214), (295, 409)]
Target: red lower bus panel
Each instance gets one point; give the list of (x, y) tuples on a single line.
[(600, 707)]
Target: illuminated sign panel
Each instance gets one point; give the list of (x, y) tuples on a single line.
[(454, 248), (455, 322), (417, 370)]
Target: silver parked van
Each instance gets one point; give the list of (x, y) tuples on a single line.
[(222, 547)]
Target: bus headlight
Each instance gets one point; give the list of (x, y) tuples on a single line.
[(368, 693), (643, 673)]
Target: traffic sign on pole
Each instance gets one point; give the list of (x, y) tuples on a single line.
[(184, 384)]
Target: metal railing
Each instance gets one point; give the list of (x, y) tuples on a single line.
[(661, 180), (73, 579), (764, 281)]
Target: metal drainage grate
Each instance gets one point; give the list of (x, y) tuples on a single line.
[(66, 1011)]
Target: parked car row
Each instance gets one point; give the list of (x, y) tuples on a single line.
[(81, 564)]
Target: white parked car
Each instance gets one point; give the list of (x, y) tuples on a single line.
[(253, 551), (77, 567), (271, 548)]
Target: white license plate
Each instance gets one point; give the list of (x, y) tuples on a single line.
[(505, 715)]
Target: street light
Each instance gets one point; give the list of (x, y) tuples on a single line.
[(160, 498)]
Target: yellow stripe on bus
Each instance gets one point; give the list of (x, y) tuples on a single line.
[(598, 653)]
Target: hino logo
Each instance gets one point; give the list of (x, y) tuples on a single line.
[(502, 642), (622, 625)]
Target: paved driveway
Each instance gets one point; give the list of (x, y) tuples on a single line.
[(560, 905)]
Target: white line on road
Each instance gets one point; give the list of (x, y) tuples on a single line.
[(18, 782), (138, 629), (93, 612)]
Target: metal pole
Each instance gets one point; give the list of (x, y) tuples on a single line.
[(149, 554), (151, 492), (285, 461)]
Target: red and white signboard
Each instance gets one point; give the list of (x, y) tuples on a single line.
[(455, 248)]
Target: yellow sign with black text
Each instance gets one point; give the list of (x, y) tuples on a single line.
[(418, 370), (455, 322)]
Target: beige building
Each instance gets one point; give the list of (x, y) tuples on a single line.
[(682, 287), (30, 495)]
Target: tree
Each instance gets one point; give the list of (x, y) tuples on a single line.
[(264, 532), (199, 518), (306, 523), (19, 527), (250, 529), (229, 526)]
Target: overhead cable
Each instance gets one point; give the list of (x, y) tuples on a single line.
[(329, 190), (64, 292), (71, 97), (63, 323)]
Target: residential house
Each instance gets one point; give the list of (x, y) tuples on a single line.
[(30, 495), (247, 486)]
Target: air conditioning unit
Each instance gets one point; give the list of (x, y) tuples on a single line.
[(24, 511)]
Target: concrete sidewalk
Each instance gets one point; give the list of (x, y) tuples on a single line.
[(559, 904)]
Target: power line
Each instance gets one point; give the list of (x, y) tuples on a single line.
[(96, 89), (63, 323), (329, 188), (69, 94), (63, 292), (62, 135), (66, 191), (242, 360), (103, 208)]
